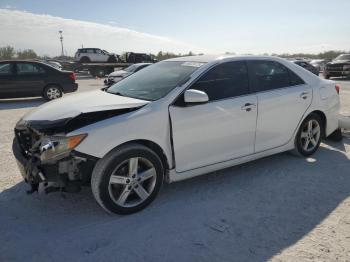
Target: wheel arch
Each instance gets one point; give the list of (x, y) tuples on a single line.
[(323, 117), (52, 84), (84, 58), (151, 145)]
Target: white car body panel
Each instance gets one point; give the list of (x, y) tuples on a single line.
[(75, 104), (137, 125), (197, 139), (100, 56), (217, 131), (279, 112)]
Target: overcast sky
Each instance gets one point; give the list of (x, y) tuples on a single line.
[(250, 26)]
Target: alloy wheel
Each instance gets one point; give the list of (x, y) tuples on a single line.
[(53, 93), (132, 182), (310, 135)]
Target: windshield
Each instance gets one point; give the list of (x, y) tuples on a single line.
[(343, 57), (155, 81), (131, 68)]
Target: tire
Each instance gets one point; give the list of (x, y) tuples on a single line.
[(336, 136), (85, 59), (100, 73), (307, 140), (52, 92), (327, 77), (112, 59), (121, 188)]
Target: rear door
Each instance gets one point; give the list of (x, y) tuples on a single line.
[(7, 80), (283, 98), (30, 78), (223, 128)]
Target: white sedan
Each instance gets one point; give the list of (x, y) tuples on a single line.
[(174, 120)]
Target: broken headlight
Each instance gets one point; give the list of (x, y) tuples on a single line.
[(59, 146)]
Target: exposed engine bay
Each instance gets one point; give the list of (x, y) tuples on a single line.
[(46, 156)]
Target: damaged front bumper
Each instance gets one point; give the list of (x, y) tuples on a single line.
[(65, 174)]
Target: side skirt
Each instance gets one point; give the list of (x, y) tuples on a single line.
[(174, 176)]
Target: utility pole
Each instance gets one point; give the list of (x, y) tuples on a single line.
[(61, 39)]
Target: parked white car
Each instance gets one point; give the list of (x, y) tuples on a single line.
[(88, 55), (174, 120)]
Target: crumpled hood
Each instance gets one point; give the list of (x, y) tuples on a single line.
[(85, 102), (118, 73)]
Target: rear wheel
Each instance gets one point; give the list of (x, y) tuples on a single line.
[(85, 59), (309, 136), (327, 76), (52, 92), (127, 179)]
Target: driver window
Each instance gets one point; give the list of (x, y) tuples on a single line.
[(224, 81)]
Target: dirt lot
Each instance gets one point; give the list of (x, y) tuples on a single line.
[(281, 208)]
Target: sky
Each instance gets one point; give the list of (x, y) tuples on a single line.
[(202, 26)]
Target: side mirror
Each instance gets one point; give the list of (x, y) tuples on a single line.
[(195, 96)]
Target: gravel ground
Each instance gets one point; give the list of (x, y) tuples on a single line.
[(280, 208)]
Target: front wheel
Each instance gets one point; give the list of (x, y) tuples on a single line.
[(112, 59), (127, 179), (309, 136)]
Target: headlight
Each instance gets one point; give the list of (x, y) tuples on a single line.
[(346, 67), (59, 146)]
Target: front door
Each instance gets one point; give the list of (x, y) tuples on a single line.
[(223, 128)]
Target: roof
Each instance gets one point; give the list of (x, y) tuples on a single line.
[(210, 58), (22, 60)]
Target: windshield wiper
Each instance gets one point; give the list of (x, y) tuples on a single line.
[(118, 94)]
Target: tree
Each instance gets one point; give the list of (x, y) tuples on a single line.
[(7, 52), (26, 54)]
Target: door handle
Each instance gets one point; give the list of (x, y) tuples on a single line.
[(248, 107), (304, 95)]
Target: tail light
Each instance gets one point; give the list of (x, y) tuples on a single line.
[(73, 76), (337, 88)]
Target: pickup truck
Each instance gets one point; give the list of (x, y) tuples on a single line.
[(339, 67)]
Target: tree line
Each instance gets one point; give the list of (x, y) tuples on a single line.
[(9, 52)]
